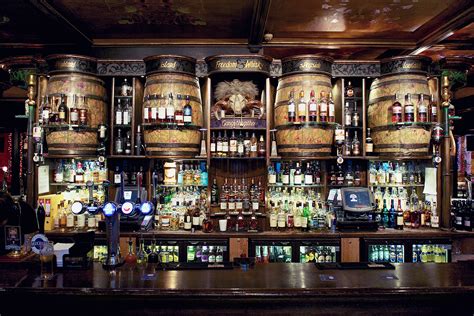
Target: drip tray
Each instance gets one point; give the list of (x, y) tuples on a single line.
[(355, 266)]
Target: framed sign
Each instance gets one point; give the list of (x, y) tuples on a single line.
[(12, 238)]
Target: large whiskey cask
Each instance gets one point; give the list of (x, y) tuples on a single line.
[(174, 74), (400, 75), (302, 73), (76, 75)]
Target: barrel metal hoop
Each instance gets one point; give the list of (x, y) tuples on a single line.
[(173, 145), (308, 125), (184, 82), (88, 96), (305, 146), (68, 145), (172, 153), (165, 97), (300, 154), (392, 98), (60, 77), (398, 127), (395, 81), (283, 85), (404, 146)]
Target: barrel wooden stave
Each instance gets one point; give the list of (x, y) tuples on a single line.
[(305, 82), (305, 142), (392, 140), (383, 90), (172, 142), (72, 143), (164, 83), (82, 85)]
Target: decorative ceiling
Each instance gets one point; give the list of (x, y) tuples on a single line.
[(344, 29)]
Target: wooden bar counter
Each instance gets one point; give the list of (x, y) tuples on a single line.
[(277, 289)]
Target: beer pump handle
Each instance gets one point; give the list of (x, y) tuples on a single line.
[(122, 187), (139, 175), (106, 185), (90, 187)]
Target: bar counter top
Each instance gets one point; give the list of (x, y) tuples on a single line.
[(268, 288)]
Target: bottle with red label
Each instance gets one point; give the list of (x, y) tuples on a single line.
[(323, 107), (409, 109), (396, 111), (291, 108), (422, 109), (312, 108)]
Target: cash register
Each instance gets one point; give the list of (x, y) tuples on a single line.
[(355, 209)]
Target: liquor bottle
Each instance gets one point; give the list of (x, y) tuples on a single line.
[(247, 145), (396, 111), (422, 109), (179, 113), (433, 110), (125, 89), (127, 113), (187, 218), (161, 115), (146, 109), (62, 110), (349, 90), (285, 178), (214, 192), (233, 145), (332, 176), (308, 175), (225, 145), (291, 107), (128, 143), (313, 108), (393, 214), (357, 176), (340, 176), (323, 107), (213, 146), (261, 147), (130, 258), (347, 115), (196, 219), (349, 177), (118, 113), (332, 109), (219, 145), (297, 176), (153, 255), (347, 145), (204, 175), (240, 145), (79, 178), (355, 116), (409, 109), (302, 108), (369, 143), (188, 112), (170, 109), (74, 112), (271, 175), (253, 226), (253, 146), (355, 145), (119, 143), (385, 214), (141, 254), (45, 111), (317, 174), (138, 141), (223, 197), (400, 219)]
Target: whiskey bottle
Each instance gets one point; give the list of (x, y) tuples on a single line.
[(313, 108), (433, 110), (332, 110), (118, 114), (74, 112), (188, 112), (178, 114), (308, 175), (218, 145), (355, 145), (396, 111), (253, 146), (161, 115), (240, 145), (285, 177), (332, 176), (357, 178), (369, 144), (291, 108), (170, 109), (233, 145), (297, 176), (213, 144), (45, 112), (349, 90), (399, 221), (409, 109), (225, 145), (247, 144), (62, 110), (127, 113), (347, 145), (355, 116), (323, 107), (119, 143), (317, 174), (347, 115), (340, 176), (128, 144), (261, 147), (302, 108), (422, 109)]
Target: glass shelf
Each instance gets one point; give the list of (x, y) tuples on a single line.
[(396, 185), (307, 124), (169, 126)]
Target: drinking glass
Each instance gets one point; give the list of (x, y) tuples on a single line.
[(47, 261)]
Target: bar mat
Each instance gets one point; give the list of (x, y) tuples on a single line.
[(365, 266)]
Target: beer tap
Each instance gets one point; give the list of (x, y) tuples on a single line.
[(339, 139), (112, 220), (102, 137)]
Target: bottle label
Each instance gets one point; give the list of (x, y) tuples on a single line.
[(332, 111), (238, 205), (313, 107), (285, 179), (188, 118), (231, 205), (46, 114), (323, 107), (170, 112), (145, 113), (255, 206), (240, 148), (179, 118), (154, 112), (272, 178), (213, 147), (369, 147), (302, 109), (409, 109), (225, 147), (291, 108), (253, 148), (75, 117), (161, 113), (223, 205), (58, 177), (399, 220), (118, 117), (397, 110), (126, 118), (273, 221), (297, 179), (219, 146), (196, 221), (233, 145), (348, 119), (62, 115), (308, 179)]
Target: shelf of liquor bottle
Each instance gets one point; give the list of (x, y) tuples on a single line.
[(295, 185), (70, 184), (354, 157), (181, 186), (235, 213), (342, 185), (307, 124), (396, 185), (66, 156), (238, 158), (72, 127), (158, 125), (123, 97), (402, 124), (126, 157), (176, 158), (398, 158), (284, 159), (239, 128), (123, 126)]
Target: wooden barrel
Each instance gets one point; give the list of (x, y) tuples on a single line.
[(400, 75), (173, 74), (302, 73), (75, 75)]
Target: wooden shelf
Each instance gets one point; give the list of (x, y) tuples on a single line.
[(169, 126), (238, 158), (126, 157)]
